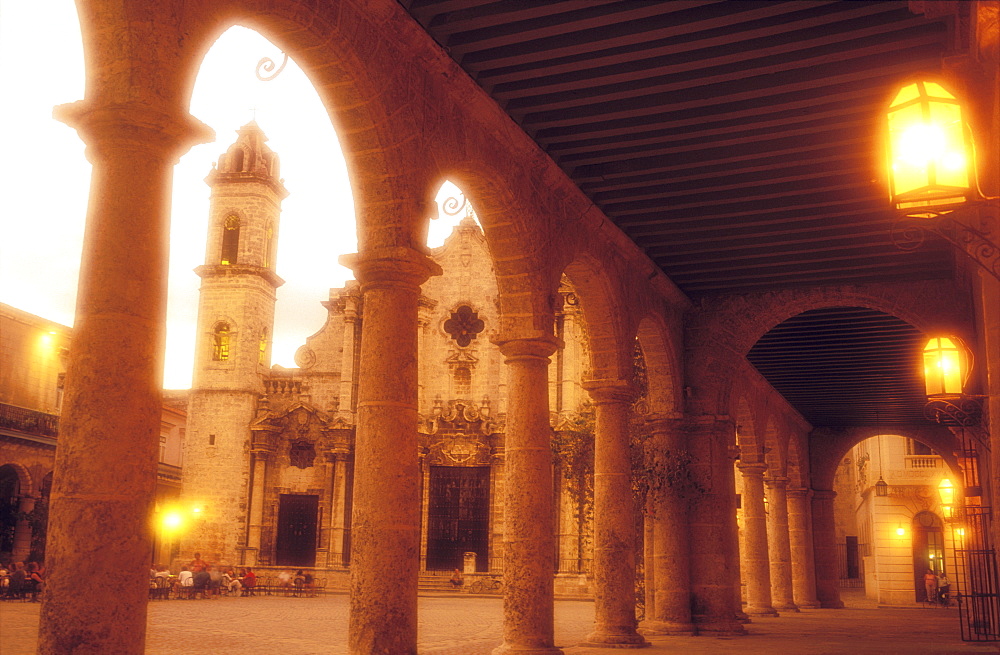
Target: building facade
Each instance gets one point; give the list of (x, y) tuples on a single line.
[(270, 450)]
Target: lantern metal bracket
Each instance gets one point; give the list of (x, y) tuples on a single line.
[(957, 411), (910, 232)]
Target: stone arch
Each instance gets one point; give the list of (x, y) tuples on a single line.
[(606, 321), (774, 449), (662, 372), (527, 275), (27, 485), (797, 472), (746, 432), (828, 446)]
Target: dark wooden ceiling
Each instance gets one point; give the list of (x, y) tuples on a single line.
[(736, 143)]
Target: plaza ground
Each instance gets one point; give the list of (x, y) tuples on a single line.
[(462, 625)]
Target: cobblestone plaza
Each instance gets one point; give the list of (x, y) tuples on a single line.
[(450, 625)]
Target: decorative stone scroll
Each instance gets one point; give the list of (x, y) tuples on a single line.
[(459, 437)]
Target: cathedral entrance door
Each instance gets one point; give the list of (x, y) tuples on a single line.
[(458, 516), (296, 544)]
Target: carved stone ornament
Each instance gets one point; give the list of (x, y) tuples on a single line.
[(459, 438), (464, 325), (302, 454)]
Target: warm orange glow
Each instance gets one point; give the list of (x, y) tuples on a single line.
[(945, 366), (947, 492), (929, 150), (901, 531)]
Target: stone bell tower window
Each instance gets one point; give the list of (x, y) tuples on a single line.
[(464, 325), (220, 342), (262, 353), (230, 240)]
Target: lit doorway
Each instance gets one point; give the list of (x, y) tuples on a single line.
[(928, 550)]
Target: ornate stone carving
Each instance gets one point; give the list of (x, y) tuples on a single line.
[(464, 325), (459, 437)]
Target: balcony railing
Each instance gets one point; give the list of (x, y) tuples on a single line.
[(922, 462), (28, 421)]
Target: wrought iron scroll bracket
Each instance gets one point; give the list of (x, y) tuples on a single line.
[(909, 233), (266, 64)]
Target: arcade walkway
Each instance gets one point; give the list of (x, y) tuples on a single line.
[(469, 626)]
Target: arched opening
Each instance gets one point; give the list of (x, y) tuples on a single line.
[(230, 251), (887, 542), (220, 342)]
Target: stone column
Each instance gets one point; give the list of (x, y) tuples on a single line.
[(614, 519), (754, 549), (712, 518), (825, 549), (22, 531), (528, 540), (262, 449), (348, 376), (112, 403), (338, 516), (385, 547), (670, 558), (801, 547), (778, 545)]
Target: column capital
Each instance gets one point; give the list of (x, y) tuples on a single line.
[(777, 482), (166, 134), (752, 468), (611, 391), (537, 347), (390, 266), (800, 492)]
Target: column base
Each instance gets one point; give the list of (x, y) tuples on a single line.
[(513, 649), (786, 607), (742, 617), (832, 604), (667, 628), (808, 605), (762, 611)]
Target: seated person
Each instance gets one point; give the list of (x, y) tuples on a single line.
[(185, 583), (456, 578)]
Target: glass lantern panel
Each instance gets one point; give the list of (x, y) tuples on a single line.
[(951, 160), (942, 367), (906, 94), (910, 143), (935, 90)]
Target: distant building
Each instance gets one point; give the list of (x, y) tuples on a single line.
[(32, 370)]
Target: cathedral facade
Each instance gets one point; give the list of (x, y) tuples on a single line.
[(269, 454)]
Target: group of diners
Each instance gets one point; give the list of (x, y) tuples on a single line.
[(20, 581), (199, 579)]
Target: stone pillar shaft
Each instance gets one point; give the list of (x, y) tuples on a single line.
[(339, 520), (386, 505), (778, 546), (671, 558), (112, 399), (528, 538), (754, 549), (800, 540), (22, 531), (712, 520), (614, 520), (257, 506), (825, 549)]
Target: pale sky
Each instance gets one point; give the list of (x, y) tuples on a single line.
[(44, 179)]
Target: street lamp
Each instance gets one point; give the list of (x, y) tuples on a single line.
[(931, 173), (930, 150), (947, 365), (946, 490)]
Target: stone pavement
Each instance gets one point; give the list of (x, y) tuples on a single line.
[(462, 625)]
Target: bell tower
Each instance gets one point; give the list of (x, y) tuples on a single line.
[(233, 345)]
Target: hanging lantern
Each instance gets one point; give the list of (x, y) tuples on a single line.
[(881, 488), (930, 151), (946, 366)]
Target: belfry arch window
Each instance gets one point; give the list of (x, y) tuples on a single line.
[(268, 245), (220, 342), (262, 351), (230, 239)]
